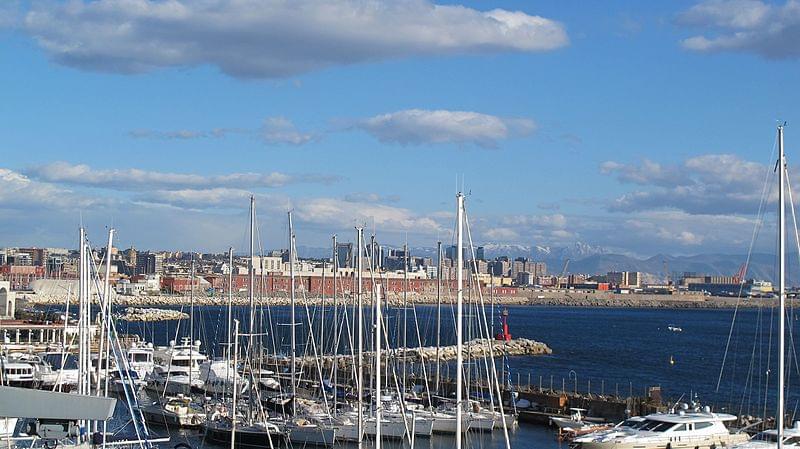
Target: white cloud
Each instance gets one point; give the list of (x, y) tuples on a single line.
[(714, 183), (18, 191), (274, 38), (501, 235), (279, 130), (370, 197), (668, 228), (136, 179), (751, 26), (418, 126), (344, 214), (198, 199)]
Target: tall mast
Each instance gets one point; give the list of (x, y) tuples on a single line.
[(438, 312), (84, 387), (235, 361), (335, 264), (191, 325), (781, 282), (377, 395), (292, 341), (405, 312), (106, 317), (360, 338), (251, 302), (250, 275), (459, 312), (230, 316), (81, 294), (191, 303), (322, 311)]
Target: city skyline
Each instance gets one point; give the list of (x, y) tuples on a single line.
[(642, 129)]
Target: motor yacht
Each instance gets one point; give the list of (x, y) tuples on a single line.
[(697, 428)]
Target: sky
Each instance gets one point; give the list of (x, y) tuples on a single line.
[(638, 127)]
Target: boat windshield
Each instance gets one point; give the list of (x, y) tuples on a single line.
[(55, 360), (656, 426), (140, 357), (632, 423)]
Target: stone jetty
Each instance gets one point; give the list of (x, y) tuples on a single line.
[(474, 349), (139, 314)]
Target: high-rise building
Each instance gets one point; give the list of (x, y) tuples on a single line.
[(38, 256), (149, 263), (344, 255), (451, 252), (624, 278), (480, 253), (536, 268)]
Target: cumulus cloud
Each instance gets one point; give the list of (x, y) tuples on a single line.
[(752, 26), (693, 231), (713, 183), (274, 38), (501, 235), (419, 126), (279, 130), (370, 197), (198, 199), (343, 214), (519, 228), (136, 179), (19, 191)]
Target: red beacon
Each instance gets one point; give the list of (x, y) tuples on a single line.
[(505, 335)]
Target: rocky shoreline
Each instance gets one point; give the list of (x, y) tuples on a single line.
[(150, 314), (551, 299)]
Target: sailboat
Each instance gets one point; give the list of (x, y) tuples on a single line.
[(303, 428), (78, 420), (176, 375), (701, 426), (780, 436), (226, 425)]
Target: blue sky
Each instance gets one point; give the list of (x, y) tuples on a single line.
[(641, 127)]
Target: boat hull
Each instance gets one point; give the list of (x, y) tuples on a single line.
[(700, 442), (312, 434), (246, 437)]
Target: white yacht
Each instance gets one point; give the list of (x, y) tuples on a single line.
[(177, 411), (768, 439), (310, 431), (16, 373), (686, 428), (219, 376), (177, 367), (140, 359), (58, 369)]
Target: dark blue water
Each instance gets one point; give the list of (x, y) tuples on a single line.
[(597, 349)]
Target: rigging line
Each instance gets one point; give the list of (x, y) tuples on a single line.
[(797, 242), (756, 228), (490, 343)]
